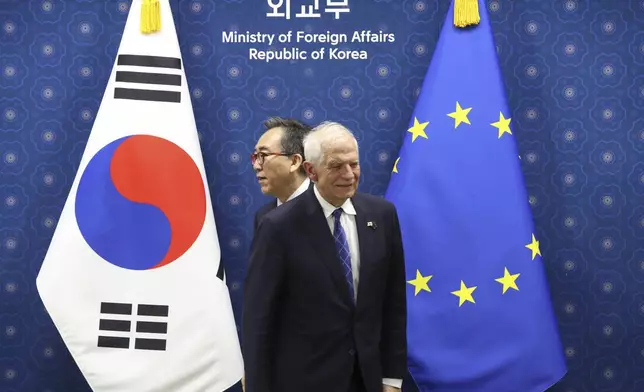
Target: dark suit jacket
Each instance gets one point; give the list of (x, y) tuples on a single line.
[(263, 211), (301, 329)]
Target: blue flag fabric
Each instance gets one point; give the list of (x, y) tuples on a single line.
[(479, 313)]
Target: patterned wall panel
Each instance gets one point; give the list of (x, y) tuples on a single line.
[(573, 74)]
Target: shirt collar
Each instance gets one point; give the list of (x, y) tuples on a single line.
[(328, 208), (303, 187)]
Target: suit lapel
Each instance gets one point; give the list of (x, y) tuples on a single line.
[(365, 237), (318, 229)]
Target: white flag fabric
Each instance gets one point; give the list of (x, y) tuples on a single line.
[(132, 278)]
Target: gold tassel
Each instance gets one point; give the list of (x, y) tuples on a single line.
[(466, 13), (150, 16)]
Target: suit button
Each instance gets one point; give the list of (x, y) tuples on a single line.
[(352, 352)]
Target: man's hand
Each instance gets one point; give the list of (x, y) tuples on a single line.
[(244, 383), (389, 388)]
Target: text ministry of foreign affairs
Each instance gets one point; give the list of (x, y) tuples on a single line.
[(294, 53)]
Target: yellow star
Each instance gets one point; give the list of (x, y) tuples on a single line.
[(503, 125), (508, 281), (420, 283), (464, 294), (418, 129), (534, 247), (460, 115), (396, 165)]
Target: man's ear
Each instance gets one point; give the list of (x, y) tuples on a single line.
[(310, 171), (296, 162)]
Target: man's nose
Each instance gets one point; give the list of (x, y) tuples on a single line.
[(347, 172)]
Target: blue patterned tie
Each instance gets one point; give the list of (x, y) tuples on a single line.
[(342, 246)]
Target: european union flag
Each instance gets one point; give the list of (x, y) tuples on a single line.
[(479, 313)]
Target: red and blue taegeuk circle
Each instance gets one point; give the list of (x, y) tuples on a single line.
[(141, 202)]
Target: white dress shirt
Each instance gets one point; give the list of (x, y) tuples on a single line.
[(348, 222), (303, 187)]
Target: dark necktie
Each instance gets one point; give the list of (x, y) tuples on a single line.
[(342, 247)]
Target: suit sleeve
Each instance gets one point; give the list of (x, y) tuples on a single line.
[(394, 326), (252, 240), (261, 291), (256, 221)]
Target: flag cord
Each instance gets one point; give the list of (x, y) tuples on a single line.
[(466, 13), (150, 16)]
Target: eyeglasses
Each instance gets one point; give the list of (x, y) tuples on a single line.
[(260, 156)]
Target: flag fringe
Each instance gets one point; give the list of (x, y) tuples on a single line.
[(150, 16), (466, 13)]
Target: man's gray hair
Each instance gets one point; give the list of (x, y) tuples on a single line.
[(317, 141)]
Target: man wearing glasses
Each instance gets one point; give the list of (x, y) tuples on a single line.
[(277, 161)]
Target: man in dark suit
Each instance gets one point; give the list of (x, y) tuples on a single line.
[(277, 161), (325, 297)]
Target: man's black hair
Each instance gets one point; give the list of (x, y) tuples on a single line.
[(293, 134)]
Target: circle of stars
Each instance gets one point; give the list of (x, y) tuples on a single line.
[(507, 280)]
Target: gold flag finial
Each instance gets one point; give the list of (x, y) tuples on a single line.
[(466, 13), (150, 16)]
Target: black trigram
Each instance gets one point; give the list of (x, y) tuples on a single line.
[(124, 326), (152, 78)]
